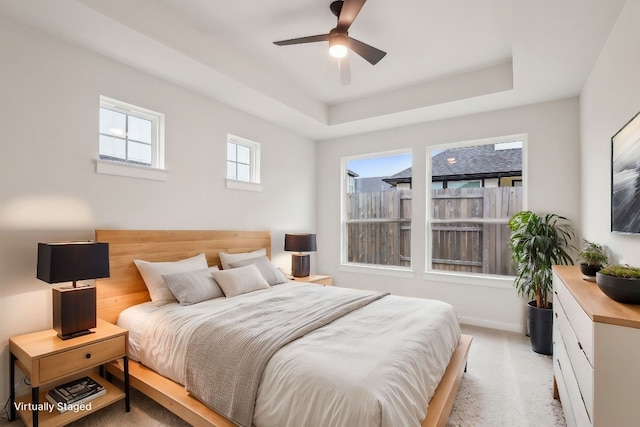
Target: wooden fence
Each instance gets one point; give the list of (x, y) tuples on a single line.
[(468, 231), (379, 228), (458, 243)]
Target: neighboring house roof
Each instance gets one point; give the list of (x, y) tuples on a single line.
[(374, 184), (476, 162), (481, 161), (400, 177)]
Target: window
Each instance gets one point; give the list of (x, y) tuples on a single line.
[(377, 210), (243, 163), (130, 135), (471, 199)]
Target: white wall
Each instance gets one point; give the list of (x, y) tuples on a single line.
[(552, 176), (49, 98), (609, 99)]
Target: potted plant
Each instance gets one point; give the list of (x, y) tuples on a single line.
[(537, 243), (620, 283), (592, 258)]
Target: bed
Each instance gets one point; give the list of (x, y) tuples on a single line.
[(126, 291)]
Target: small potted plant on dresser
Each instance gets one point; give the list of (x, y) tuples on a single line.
[(592, 258), (537, 243), (620, 283)]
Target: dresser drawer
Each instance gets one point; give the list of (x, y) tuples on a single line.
[(582, 369), (580, 322), (61, 364), (572, 400), (562, 392)]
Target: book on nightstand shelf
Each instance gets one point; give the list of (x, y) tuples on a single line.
[(74, 393)]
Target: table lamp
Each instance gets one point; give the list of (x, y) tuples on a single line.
[(300, 263), (74, 307)]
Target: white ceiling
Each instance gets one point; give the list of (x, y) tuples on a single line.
[(444, 58)]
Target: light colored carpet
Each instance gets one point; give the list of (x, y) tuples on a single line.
[(506, 384)]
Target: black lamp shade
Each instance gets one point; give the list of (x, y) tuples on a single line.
[(68, 262), (300, 242)]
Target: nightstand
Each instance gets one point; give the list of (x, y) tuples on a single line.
[(48, 361), (319, 279)]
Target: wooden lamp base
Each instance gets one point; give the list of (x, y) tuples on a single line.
[(300, 265), (74, 311)]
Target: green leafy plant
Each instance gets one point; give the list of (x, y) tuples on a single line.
[(592, 254), (537, 243), (621, 271)]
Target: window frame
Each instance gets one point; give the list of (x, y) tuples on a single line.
[(471, 278), (345, 265), (254, 164), (155, 171)]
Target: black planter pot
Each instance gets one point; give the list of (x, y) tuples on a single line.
[(540, 321), (589, 270), (619, 289)]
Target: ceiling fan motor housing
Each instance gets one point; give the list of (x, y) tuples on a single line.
[(336, 7)]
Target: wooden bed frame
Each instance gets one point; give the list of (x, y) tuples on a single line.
[(125, 288)]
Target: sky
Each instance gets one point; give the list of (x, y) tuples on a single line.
[(380, 166)]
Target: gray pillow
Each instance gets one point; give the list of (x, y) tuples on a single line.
[(240, 280), (270, 272), (152, 272), (227, 258), (192, 287)]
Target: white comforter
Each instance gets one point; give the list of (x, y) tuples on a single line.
[(377, 366)]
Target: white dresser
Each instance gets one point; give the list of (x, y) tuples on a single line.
[(596, 353)]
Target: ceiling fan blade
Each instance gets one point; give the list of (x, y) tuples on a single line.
[(370, 53), (345, 71), (301, 40), (350, 9)]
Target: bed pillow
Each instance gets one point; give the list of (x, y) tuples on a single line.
[(270, 272), (192, 287), (226, 259), (152, 272), (241, 280)]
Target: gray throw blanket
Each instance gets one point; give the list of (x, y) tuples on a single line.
[(227, 355)]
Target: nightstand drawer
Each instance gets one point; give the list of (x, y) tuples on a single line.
[(61, 364)]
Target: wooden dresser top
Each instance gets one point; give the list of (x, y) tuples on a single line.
[(599, 307)]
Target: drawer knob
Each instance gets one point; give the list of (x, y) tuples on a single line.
[(88, 355)]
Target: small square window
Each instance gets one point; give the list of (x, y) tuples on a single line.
[(130, 135), (243, 160)]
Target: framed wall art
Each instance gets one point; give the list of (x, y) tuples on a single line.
[(625, 178)]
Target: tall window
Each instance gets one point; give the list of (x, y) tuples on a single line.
[(243, 160), (377, 210), (130, 134), (475, 189)]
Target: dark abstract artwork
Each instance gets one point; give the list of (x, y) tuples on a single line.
[(625, 178)]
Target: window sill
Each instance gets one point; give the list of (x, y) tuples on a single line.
[(243, 185), (401, 272), (120, 169), (489, 281)]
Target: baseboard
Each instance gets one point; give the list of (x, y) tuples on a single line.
[(511, 327)]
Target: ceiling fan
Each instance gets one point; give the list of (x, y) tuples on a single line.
[(339, 40)]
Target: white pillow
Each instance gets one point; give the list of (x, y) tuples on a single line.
[(152, 272), (240, 280), (270, 272), (192, 287), (226, 259)]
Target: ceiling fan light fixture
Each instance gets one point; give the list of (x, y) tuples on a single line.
[(338, 44), (338, 50)]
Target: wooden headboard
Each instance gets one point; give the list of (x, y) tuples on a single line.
[(125, 286)]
